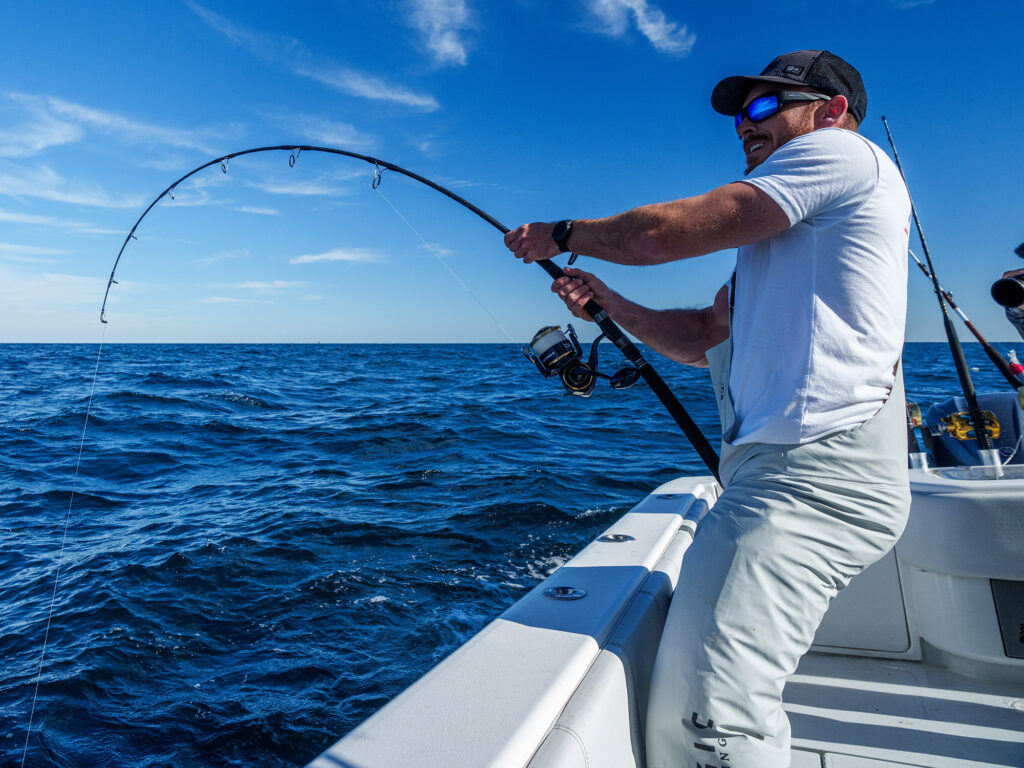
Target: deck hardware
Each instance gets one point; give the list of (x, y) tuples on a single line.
[(961, 426), (670, 496), (616, 538), (565, 593)]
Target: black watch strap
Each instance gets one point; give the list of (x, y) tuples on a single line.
[(560, 234)]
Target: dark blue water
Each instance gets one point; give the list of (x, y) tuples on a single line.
[(267, 543)]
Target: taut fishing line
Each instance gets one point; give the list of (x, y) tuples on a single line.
[(63, 544), (444, 263)]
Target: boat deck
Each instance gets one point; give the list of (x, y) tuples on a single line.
[(851, 712)]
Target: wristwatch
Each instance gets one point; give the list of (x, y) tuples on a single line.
[(560, 234)]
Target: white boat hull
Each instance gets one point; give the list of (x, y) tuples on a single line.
[(909, 667)]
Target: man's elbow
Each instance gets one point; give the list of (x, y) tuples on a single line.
[(663, 244)]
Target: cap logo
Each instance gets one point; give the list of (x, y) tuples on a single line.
[(792, 69)]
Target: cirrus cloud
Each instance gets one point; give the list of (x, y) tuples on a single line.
[(296, 58), (668, 37), (339, 254)]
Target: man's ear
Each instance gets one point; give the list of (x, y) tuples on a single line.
[(831, 112)]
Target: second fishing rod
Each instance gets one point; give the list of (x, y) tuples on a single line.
[(997, 359), (959, 361)]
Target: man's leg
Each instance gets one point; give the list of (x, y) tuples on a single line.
[(753, 589)]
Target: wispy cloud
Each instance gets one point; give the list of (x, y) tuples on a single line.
[(302, 185), (41, 293), (31, 129), (28, 254), (45, 183), (82, 227), (318, 130), (298, 187), (271, 285), (221, 300), (242, 253), (345, 80), (296, 58), (443, 24), (187, 198), (339, 254), (438, 250), (9, 248), (666, 36), (258, 211), (31, 218), (56, 121)]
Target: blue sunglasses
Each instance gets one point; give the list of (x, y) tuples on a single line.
[(765, 106)]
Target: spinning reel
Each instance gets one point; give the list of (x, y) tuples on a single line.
[(556, 354)]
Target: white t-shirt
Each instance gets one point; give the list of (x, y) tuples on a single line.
[(820, 308)]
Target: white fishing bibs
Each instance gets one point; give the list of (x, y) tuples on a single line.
[(794, 524)]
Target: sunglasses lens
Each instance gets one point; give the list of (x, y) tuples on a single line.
[(625, 378), (763, 108)]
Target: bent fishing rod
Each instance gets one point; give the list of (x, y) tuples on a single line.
[(957, 350), (994, 355), (609, 329)]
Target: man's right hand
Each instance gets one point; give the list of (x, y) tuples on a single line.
[(578, 288)]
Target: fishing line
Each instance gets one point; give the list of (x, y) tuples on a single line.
[(63, 544), (953, 340), (429, 247)]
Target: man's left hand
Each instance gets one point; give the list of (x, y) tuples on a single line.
[(532, 242)]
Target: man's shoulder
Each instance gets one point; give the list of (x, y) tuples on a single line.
[(826, 151), (839, 139)]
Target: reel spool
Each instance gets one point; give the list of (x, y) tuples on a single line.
[(556, 354)]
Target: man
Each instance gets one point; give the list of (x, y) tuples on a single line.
[(803, 346)]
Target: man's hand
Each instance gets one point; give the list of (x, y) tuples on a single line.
[(578, 288), (532, 242)]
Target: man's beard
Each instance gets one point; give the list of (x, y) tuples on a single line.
[(764, 140)]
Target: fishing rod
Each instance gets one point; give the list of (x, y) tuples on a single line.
[(993, 354), (957, 350), (609, 329)]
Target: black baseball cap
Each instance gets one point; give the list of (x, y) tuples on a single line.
[(823, 71)]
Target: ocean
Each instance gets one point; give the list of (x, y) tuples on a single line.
[(269, 542)]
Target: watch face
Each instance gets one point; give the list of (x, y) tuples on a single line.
[(560, 233)]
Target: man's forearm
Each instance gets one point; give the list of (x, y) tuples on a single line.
[(683, 335), (729, 216)]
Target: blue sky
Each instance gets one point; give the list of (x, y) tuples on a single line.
[(531, 110)]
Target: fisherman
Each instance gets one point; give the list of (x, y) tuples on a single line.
[(1016, 314), (803, 344)]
